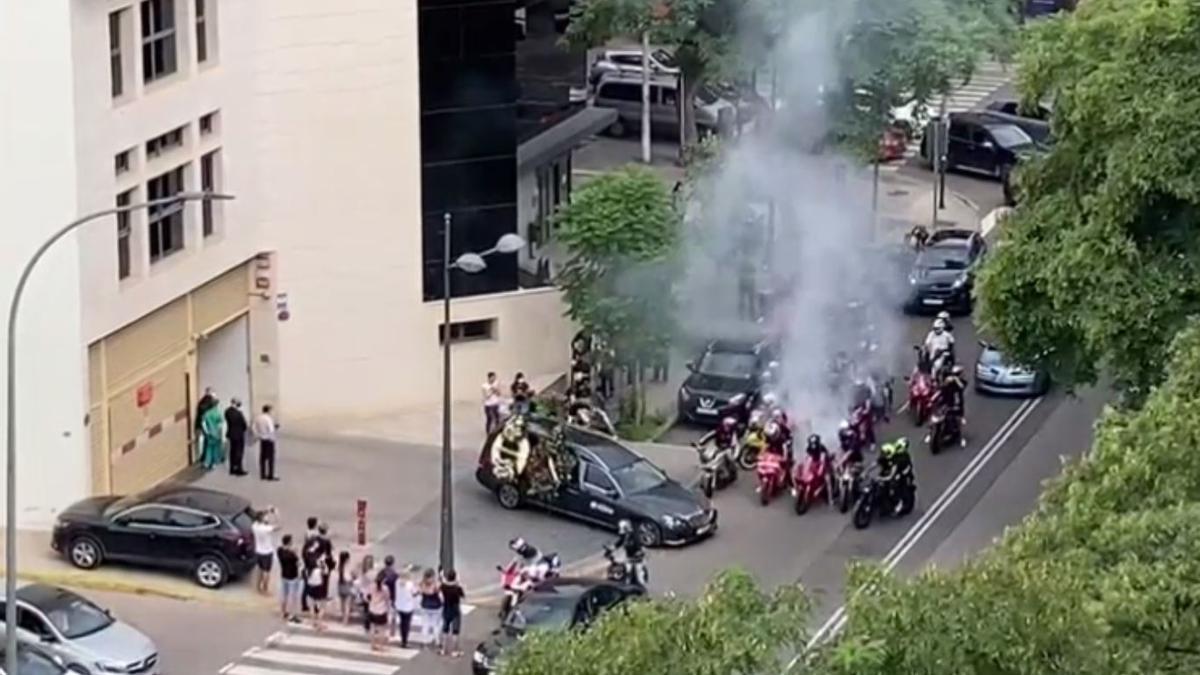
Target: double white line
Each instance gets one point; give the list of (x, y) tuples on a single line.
[(837, 621)]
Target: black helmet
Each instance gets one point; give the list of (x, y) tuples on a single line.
[(814, 441)]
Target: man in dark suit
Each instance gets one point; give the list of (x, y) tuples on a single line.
[(235, 430)]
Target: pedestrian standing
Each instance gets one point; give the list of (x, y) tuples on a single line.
[(345, 585), (363, 579), (207, 400), (452, 597), (405, 603), (521, 394), (390, 575), (212, 435), (308, 555), (379, 605), (491, 403), (316, 587), (235, 431), (264, 429), (290, 584), (430, 607), (263, 529)]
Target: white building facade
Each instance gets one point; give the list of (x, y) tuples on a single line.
[(308, 113)]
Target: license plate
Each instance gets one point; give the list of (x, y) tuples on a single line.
[(933, 301), (706, 411)]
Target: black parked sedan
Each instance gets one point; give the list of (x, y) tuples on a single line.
[(557, 605), (944, 272), (202, 531), (611, 483)]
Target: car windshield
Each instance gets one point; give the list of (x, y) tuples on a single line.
[(728, 364), (1011, 136), (991, 357), (639, 476), (542, 612), (75, 617), (943, 258)]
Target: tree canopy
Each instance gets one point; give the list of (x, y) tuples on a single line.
[(1097, 269)]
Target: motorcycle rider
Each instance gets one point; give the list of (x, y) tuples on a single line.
[(950, 399), (944, 317), (939, 346), (850, 443), (817, 452), (725, 435), (895, 468), (635, 554)]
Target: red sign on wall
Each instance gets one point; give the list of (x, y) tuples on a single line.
[(145, 394), (360, 522)]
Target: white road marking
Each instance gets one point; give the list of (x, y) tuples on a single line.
[(338, 645), (242, 669), (837, 621), (319, 661)]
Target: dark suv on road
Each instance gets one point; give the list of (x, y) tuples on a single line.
[(205, 532), (725, 369), (981, 142)]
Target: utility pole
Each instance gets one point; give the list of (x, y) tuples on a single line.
[(646, 97)]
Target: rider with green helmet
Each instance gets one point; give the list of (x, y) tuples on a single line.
[(894, 460)]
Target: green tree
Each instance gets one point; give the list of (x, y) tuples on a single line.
[(620, 232), (1097, 269), (733, 628)]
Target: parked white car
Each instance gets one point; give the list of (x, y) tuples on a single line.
[(630, 61)]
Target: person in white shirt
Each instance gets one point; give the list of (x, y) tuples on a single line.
[(264, 428), (491, 403), (264, 527), (405, 603)]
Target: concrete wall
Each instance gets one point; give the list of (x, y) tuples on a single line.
[(37, 189)]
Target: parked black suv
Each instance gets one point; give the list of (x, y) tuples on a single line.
[(981, 142), (725, 369), (202, 531)]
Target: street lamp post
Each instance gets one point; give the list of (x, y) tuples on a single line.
[(471, 263), (10, 533)]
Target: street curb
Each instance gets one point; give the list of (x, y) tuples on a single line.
[(662, 430), (100, 582)]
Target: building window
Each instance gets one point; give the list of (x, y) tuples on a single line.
[(158, 39), (116, 67), (208, 123), (160, 144), (201, 31), (208, 183), (468, 331), (123, 230), (165, 221), (121, 162)]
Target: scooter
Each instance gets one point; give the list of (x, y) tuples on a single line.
[(520, 575), (849, 483), (811, 484), (717, 468), (863, 420), (772, 475), (920, 396)]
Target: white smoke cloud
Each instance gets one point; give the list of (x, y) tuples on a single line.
[(816, 251)]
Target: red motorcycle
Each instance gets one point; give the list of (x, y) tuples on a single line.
[(920, 396), (772, 475), (862, 420), (811, 483)]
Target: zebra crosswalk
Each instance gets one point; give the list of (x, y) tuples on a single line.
[(988, 78), (338, 650)]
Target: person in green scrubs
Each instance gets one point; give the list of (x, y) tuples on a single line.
[(212, 436)]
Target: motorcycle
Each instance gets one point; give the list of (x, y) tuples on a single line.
[(862, 419), (849, 483), (752, 443), (811, 484), (877, 498), (717, 468), (945, 430), (630, 572), (920, 396), (771, 476), (520, 575)]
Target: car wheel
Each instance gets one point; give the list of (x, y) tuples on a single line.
[(617, 129), (648, 534), (85, 553), (508, 495), (211, 572)]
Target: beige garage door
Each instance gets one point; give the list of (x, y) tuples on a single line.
[(143, 384)]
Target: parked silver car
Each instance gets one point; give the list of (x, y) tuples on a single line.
[(996, 375), (87, 638), (624, 94), (630, 61)]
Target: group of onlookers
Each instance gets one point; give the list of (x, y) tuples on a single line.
[(496, 406), (386, 597)]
